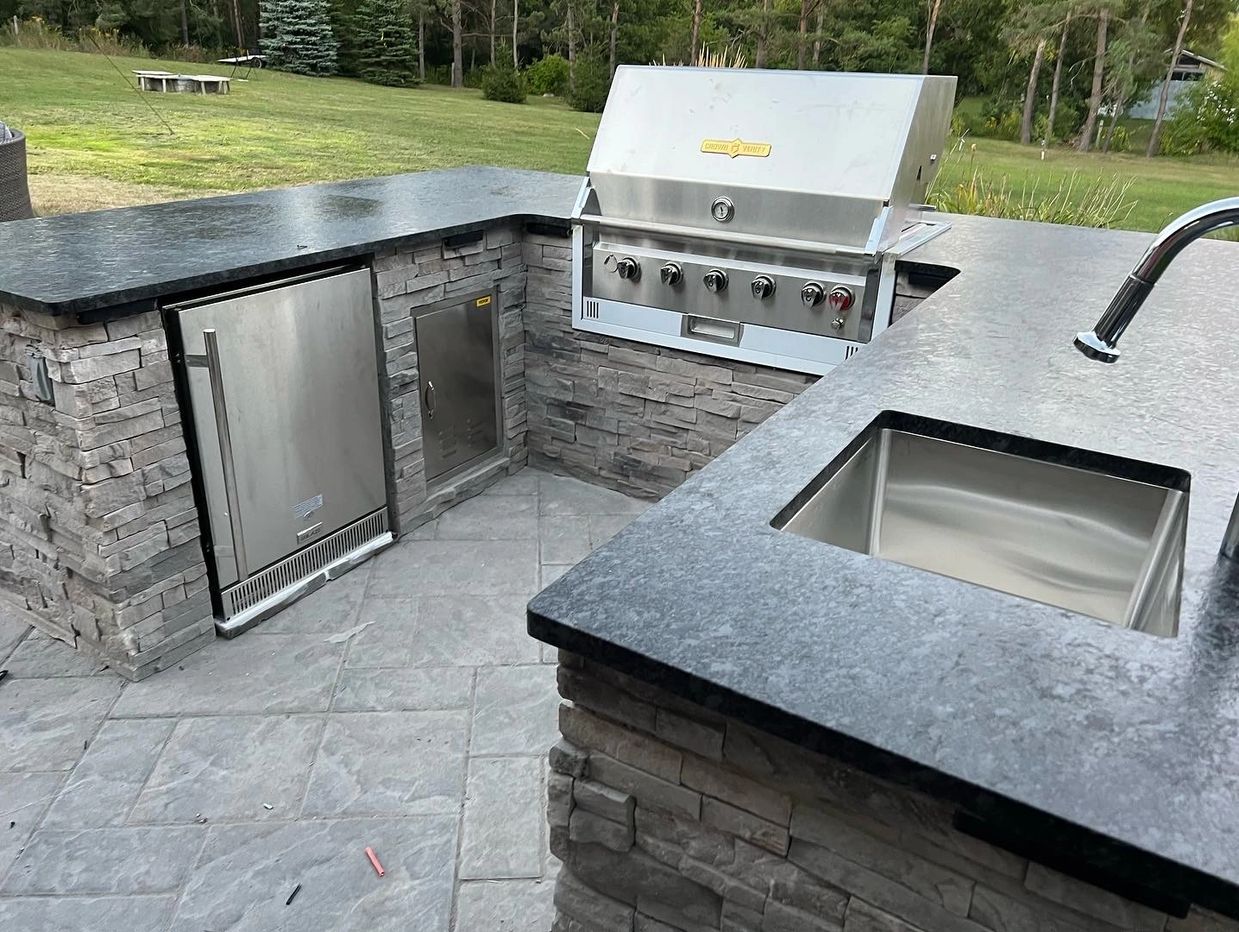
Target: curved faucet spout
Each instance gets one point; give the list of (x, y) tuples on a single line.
[(1101, 343)]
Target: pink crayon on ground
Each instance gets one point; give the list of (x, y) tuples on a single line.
[(374, 862)]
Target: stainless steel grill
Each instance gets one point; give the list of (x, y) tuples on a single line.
[(755, 215)]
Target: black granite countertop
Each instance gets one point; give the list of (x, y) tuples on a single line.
[(968, 692), (129, 257)]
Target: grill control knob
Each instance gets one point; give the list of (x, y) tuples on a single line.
[(628, 268), (812, 294), (671, 273), (841, 299), (715, 280), (763, 287)]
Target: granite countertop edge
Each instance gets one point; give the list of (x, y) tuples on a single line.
[(122, 261)]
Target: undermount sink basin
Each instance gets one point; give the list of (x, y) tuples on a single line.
[(1099, 535)]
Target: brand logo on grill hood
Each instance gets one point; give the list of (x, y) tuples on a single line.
[(735, 147)]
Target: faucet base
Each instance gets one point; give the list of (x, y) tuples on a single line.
[(1094, 347)]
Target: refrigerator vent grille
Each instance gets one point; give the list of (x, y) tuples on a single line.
[(304, 564)]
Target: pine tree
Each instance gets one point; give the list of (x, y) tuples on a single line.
[(387, 48), (297, 37)]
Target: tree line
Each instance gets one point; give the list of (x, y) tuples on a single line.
[(1048, 69)]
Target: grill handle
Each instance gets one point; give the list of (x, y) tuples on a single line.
[(731, 237)]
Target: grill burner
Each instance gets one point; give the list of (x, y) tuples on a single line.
[(755, 215)]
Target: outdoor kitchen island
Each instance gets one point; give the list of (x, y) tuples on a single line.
[(763, 732), (766, 732)]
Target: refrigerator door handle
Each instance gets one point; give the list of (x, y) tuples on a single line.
[(225, 447)]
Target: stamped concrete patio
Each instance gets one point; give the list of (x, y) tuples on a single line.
[(402, 708)]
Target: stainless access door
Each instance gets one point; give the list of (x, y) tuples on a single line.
[(456, 343), (283, 383)]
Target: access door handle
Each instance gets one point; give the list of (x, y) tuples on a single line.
[(429, 396)]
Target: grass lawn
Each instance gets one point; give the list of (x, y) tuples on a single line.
[(94, 142), (1161, 188), (82, 121)]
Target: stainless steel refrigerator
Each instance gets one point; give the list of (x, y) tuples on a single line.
[(282, 382)]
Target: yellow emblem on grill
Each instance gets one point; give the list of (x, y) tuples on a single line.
[(734, 147)]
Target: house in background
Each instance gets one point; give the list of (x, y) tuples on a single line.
[(1189, 69)]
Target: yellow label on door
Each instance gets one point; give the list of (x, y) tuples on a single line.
[(482, 302), (734, 147)]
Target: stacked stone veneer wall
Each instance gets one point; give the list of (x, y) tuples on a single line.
[(670, 817), (412, 278), (639, 418), (99, 535)]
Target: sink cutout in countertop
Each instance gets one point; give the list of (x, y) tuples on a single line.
[(1096, 534)]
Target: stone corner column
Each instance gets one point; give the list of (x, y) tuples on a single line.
[(101, 545)]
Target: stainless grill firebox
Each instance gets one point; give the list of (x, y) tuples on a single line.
[(755, 215)]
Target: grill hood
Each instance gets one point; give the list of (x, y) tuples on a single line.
[(840, 162)]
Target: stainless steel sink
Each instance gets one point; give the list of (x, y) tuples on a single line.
[(1096, 534)]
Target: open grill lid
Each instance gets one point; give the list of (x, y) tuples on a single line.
[(836, 160)]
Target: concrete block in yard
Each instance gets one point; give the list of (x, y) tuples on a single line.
[(577, 900), (589, 828), (651, 791), (864, 917), (582, 727), (752, 828), (605, 801)]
